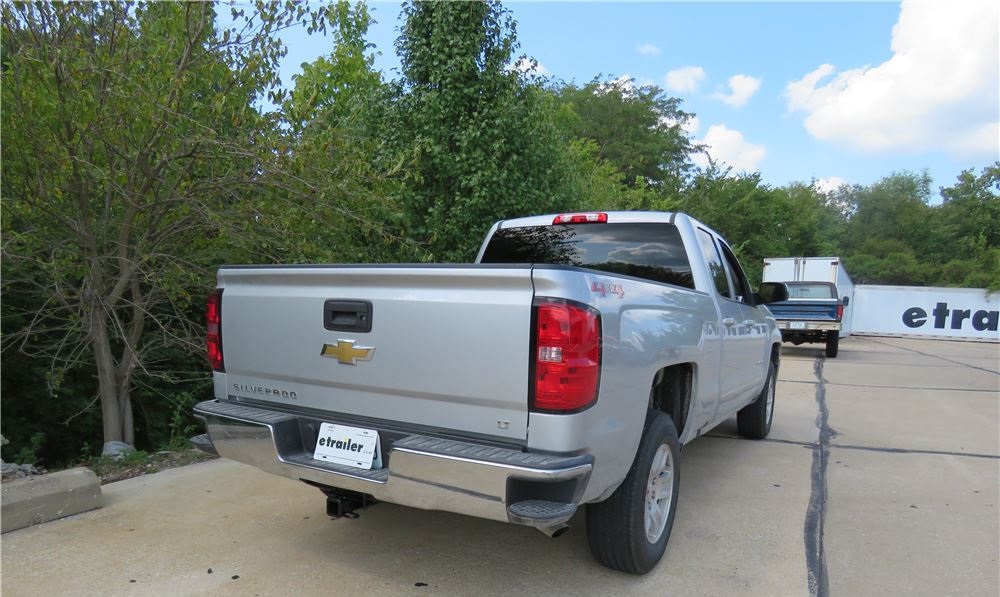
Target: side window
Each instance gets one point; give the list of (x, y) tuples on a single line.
[(711, 253), (741, 286)]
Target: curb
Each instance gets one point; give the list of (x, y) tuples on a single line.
[(34, 500)]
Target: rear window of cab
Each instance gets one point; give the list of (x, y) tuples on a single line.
[(811, 291), (652, 251)]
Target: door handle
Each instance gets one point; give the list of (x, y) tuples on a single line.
[(748, 322), (729, 321), (347, 316)]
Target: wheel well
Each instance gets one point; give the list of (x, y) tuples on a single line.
[(671, 393), (776, 355)]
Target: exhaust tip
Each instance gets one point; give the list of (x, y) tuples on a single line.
[(555, 531)]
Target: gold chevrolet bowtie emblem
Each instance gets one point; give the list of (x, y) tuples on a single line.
[(347, 353)]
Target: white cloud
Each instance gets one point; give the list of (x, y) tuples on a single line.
[(530, 66), (741, 89), (828, 184), (728, 146), (685, 79), (648, 50), (691, 125), (979, 140), (938, 90)]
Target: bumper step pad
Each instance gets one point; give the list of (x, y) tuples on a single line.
[(504, 456), (541, 510), (203, 443), (241, 412)]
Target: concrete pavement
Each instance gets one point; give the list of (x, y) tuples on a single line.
[(880, 477)]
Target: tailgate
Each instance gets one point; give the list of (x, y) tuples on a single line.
[(449, 345), (808, 310)]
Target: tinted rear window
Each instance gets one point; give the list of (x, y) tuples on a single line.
[(811, 291), (650, 251)]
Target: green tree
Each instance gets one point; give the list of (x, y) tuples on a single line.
[(338, 117), (890, 229), (969, 241), (896, 207), (481, 135), (762, 221), (594, 184), (130, 135), (894, 235), (636, 128)]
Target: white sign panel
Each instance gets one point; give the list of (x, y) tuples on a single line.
[(926, 311), (350, 446)]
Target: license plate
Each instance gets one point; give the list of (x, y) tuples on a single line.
[(349, 446), (796, 325)]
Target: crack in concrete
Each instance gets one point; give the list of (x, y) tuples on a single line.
[(883, 449), (934, 356), (819, 585), (858, 385), (916, 451)]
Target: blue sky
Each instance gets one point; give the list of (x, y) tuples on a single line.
[(838, 92)]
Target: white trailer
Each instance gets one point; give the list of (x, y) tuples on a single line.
[(927, 312), (815, 269)]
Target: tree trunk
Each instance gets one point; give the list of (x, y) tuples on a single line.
[(129, 360), (124, 378), (113, 410), (127, 423)]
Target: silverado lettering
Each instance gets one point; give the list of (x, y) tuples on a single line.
[(249, 389)]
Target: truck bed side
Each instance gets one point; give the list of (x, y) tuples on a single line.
[(646, 327)]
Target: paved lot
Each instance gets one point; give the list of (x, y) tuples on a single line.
[(881, 477)]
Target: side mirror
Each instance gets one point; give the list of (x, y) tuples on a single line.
[(847, 301), (773, 292)]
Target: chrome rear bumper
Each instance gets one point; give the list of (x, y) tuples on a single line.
[(423, 471)]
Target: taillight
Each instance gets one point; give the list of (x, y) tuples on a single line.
[(840, 312), (213, 330), (591, 218), (567, 356)]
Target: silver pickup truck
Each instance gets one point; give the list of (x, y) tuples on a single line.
[(566, 367)]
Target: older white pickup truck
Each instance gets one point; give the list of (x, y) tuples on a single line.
[(567, 367)]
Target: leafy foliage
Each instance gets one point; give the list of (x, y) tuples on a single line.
[(894, 235), (339, 116), (130, 141), (482, 135), (636, 128), (761, 221)]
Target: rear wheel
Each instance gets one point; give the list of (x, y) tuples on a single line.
[(754, 419), (832, 344), (629, 530)]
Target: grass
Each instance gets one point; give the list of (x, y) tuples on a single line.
[(138, 463)]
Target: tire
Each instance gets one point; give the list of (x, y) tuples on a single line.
[(832, 345), (618, 529), (754, 419)]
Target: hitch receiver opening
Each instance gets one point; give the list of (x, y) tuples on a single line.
[(341, 503)]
